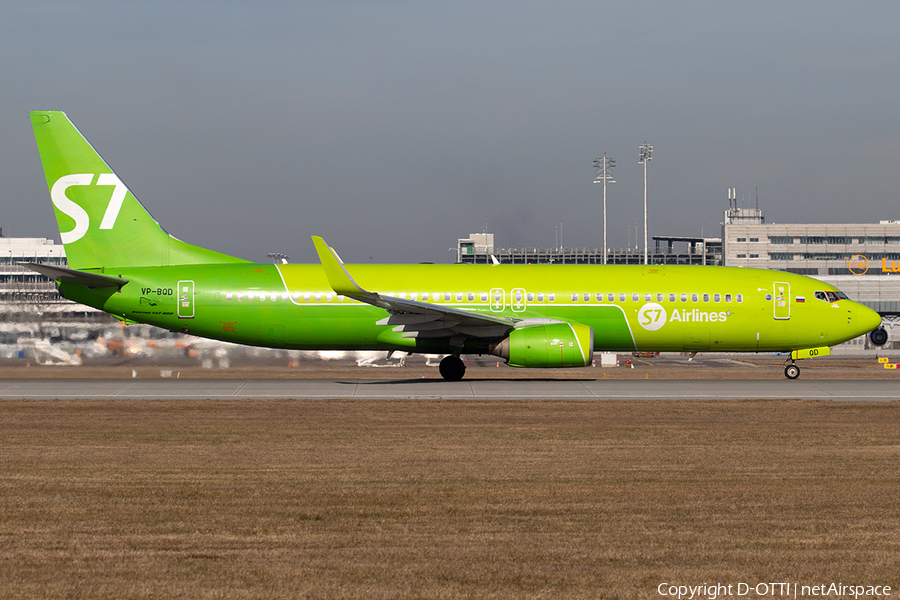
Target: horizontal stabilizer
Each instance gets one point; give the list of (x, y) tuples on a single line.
[(71, 276)]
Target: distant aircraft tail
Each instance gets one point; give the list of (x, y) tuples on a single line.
[(101, 223)]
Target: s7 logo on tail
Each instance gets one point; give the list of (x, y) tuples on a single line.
[(78, 213)]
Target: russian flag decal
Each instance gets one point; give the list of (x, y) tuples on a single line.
[(801, 299)]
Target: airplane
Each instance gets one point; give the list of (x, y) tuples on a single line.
[(120, 260)]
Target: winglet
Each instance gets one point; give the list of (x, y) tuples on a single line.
[(338, 277)]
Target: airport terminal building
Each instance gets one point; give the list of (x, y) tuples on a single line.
[(30, 305)]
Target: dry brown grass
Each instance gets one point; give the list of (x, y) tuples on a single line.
[(431, 499)]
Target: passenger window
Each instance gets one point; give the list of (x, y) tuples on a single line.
[(340, 298), (459, 297), (647, 297), (684, 297), (717, 297), (414, 296), (306, 297), (483, 296), (540, 296), (262, 297), (251, 297), (739, 297), (599, 297), (296, 297), (240, 296), (706, 297), (694, 297), (574, 297), (621, 297), (635, 297), (529, 297), (447, 296), (659, 297), (611, 297), (471, 297), (587, 297), (228, 296), (329, 296), (552, 297), (671, 297), (727, 297), (318, 297)]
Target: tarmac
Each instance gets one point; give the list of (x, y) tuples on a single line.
[(843, 390)]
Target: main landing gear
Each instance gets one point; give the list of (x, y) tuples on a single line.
[(791, 371), (452, 368)]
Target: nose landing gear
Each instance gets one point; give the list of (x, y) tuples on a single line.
[(791, 371)]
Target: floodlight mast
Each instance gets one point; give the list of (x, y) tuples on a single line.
[(603, 167), (645, 157)]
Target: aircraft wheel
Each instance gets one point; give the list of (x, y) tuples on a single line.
[(792, 371), (452, 368), (878, 337)]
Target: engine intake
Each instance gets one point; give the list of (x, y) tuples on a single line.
[(878, 337), (552, 345)]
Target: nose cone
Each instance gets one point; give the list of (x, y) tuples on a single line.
[(866, 319)]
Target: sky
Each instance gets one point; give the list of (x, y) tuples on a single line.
[(393, 128)]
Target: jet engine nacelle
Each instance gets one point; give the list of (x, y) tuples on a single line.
[(551, 345), (878, 337)]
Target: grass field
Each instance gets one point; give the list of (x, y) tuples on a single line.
[(431, 499)]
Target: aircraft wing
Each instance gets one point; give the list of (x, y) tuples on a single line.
[(413, 318)]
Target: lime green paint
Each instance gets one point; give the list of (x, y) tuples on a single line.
[(330, 305), (570, 345), (104, 221), (319, 318)]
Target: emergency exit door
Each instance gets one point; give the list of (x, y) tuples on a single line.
[(782, 300), (185, 299)]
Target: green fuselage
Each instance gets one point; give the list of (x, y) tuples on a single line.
[(629, 307)]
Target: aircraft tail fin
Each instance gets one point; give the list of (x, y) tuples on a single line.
[(101, 223)]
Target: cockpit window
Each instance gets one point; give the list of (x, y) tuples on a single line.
[(832, 297), (842, 295)]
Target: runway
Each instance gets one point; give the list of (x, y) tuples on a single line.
[(844, 390)]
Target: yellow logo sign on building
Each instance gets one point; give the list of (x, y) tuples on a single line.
[(858, 264)]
